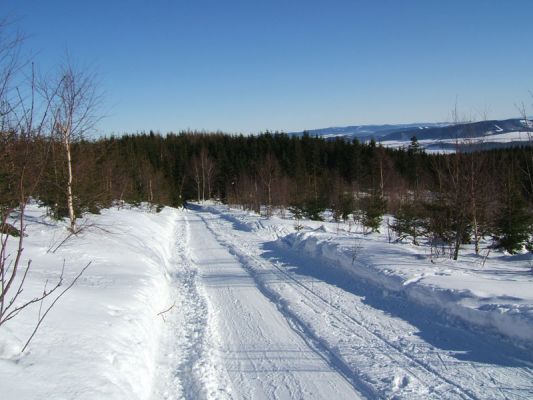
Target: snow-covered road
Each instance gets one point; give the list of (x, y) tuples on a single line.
[(263, 355), (218, 303), (284, 326)]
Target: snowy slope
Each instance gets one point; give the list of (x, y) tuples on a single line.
[(102, 338), (217, 303), (365, 132), (488, 141), (437, 137)]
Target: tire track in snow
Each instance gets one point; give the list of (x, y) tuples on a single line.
[(415, 367)]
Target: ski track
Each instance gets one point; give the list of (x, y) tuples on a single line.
[(187, 366), (264, 355), (364, 345), (252, 324)]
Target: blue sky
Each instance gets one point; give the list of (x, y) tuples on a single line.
[(248, 66)]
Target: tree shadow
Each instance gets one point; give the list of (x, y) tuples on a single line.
[(438, 330)]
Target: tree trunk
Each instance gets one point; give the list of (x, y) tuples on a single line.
[(70, 199), (381, 185)]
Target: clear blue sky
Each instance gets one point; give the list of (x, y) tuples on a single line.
[(246, 66)]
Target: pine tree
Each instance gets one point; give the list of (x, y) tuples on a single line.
[(514, 225), (373, 207), (408, 222), (313, 209)]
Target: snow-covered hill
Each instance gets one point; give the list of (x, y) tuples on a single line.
[(438, 136), (367, 132)]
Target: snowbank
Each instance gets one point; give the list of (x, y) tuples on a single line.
[(101, 339), (497, 297)]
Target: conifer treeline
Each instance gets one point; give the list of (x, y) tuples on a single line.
[(453, 199)]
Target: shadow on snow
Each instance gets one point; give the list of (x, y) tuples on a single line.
[(433, 327)]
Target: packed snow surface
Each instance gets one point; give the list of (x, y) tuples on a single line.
[(217, 303)]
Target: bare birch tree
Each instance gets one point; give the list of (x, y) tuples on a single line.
[(268, 172), (74, 114), (203, 174), (22, 118)]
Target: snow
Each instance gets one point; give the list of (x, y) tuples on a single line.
[(527, 123), (101, 339), (218, 303), (443, 145), (495, 297), (499, 287), (259, 346), (352, 292)]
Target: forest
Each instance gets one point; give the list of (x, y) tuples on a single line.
[(48, 153), (447, 199)]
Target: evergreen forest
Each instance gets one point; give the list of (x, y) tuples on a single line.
[(448, 199)]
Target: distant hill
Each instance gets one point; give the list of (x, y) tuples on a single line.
[(367, 132), (437, 136)]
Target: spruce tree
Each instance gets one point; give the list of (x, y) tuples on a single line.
[(514, 224), (408, 222), (372, 207)]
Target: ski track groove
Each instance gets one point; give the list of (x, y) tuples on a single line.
[(210, 364), (304, 290), (526, 372), (188, 373), (288, 384), (315, 343), (196, 387)]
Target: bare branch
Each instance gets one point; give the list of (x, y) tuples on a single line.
[(162, 313), (41, 319)]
